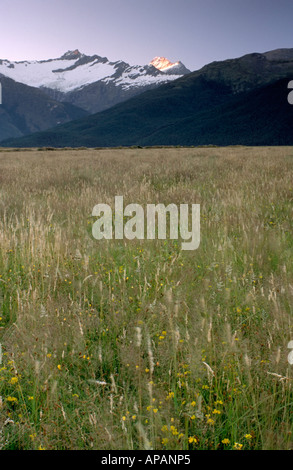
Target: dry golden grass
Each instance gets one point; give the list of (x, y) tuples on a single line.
[(137, 344)]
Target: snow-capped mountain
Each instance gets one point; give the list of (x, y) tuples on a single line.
[(91, 82), (162, 63), (170, 68)]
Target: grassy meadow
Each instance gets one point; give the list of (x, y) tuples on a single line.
[(137, 344)]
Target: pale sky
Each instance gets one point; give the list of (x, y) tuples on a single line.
[(196, 32)]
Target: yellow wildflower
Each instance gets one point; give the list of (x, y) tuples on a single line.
[(210, 421), (238, 446), (12, 399), (226, 441), (218, 402)]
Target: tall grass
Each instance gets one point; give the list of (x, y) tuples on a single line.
[(138, 344)]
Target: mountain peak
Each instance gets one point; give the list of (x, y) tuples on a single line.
[(72, 55), (162, 63), (169, 68)]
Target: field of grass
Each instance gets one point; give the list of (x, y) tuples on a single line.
[(138, 344)]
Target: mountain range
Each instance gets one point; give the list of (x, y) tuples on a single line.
[(92, 83), (236, 101)]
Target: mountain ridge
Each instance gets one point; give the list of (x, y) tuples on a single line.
[(26, 109), (69, 77), (228, 102)]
